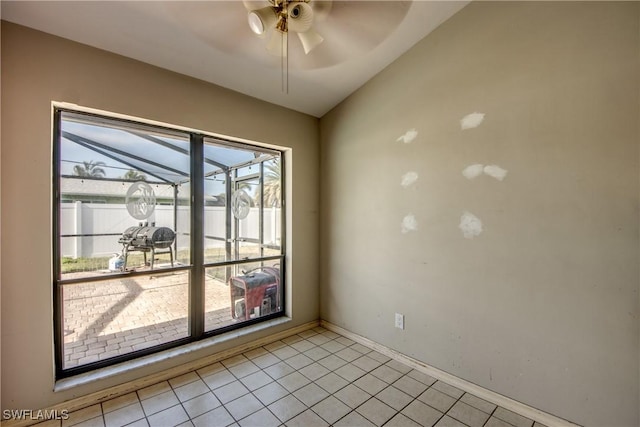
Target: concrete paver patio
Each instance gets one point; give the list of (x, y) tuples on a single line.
[(114, 317)]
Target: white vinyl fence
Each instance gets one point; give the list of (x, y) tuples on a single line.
[(94, 220)]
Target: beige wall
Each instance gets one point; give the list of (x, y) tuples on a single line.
[(38, 69), (542, 306)]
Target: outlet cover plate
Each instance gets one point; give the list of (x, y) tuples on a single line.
[(399, 321)]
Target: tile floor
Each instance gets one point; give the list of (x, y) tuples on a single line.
[(315, 378)]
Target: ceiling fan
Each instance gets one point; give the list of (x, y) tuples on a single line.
[(327, 32), (280, 17)]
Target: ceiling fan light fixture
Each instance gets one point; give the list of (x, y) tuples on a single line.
[(262, 19), (300, 17), (310, 40)]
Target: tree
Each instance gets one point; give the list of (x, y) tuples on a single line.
[(90, 169), (272, 184), (134, 175)]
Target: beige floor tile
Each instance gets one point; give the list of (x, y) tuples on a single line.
[(376, 411), (314, 371), (243, 369), (315, 378), (243, 406), (169, 417), (478, 403), (452, 391), (468, 414), (422, 377), (333, 346), (265, 360), (287, 408), (352, 396), (285, 352), (395, 398), (332, 362), (307, 419), (354, 419), (331, 382), (331, 409), (350, 372), (219, 379), (410, 386), (218, 417), (279, 370), (230, 392), (366, 363), (401, 421), (191, 390), (318, 339), (437, 399), (256, 380), (299, 361), (262, 418), (348, 354), (447, 421), (270, 393), (310, 394), (201, 404), (422, 413), (317, 353), (386, 374), (294, 381), (496, 422), (124, 416), (303, 345), (159, 402), (371, 384)]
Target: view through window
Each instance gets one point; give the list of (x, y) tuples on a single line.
[(162, 237)]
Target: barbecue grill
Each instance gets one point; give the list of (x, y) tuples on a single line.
[(147, 239)]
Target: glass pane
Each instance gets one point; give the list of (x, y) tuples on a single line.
[(215, 218), (125, 198), (235, 294), (272, 206), (114, 317)]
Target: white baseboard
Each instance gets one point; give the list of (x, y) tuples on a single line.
[(481, 392)]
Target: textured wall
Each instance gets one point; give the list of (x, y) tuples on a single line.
[(38, 69), (521, 277)]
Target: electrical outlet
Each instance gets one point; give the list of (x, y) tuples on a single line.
[(399, 321)]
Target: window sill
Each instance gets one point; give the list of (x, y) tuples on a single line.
[(132, 365)]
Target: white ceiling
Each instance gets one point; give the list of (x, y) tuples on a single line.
[(211, 40)]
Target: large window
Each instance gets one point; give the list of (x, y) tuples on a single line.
[(161, 237)]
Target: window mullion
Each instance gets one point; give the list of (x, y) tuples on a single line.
[(196, 289)]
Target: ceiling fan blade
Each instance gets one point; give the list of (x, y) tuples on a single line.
[(278, 45), (310, 40)]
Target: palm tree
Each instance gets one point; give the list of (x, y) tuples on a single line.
[(272, 184), (134, 175), (90, 169)]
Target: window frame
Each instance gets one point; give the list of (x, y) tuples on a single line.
[(197, 267)]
